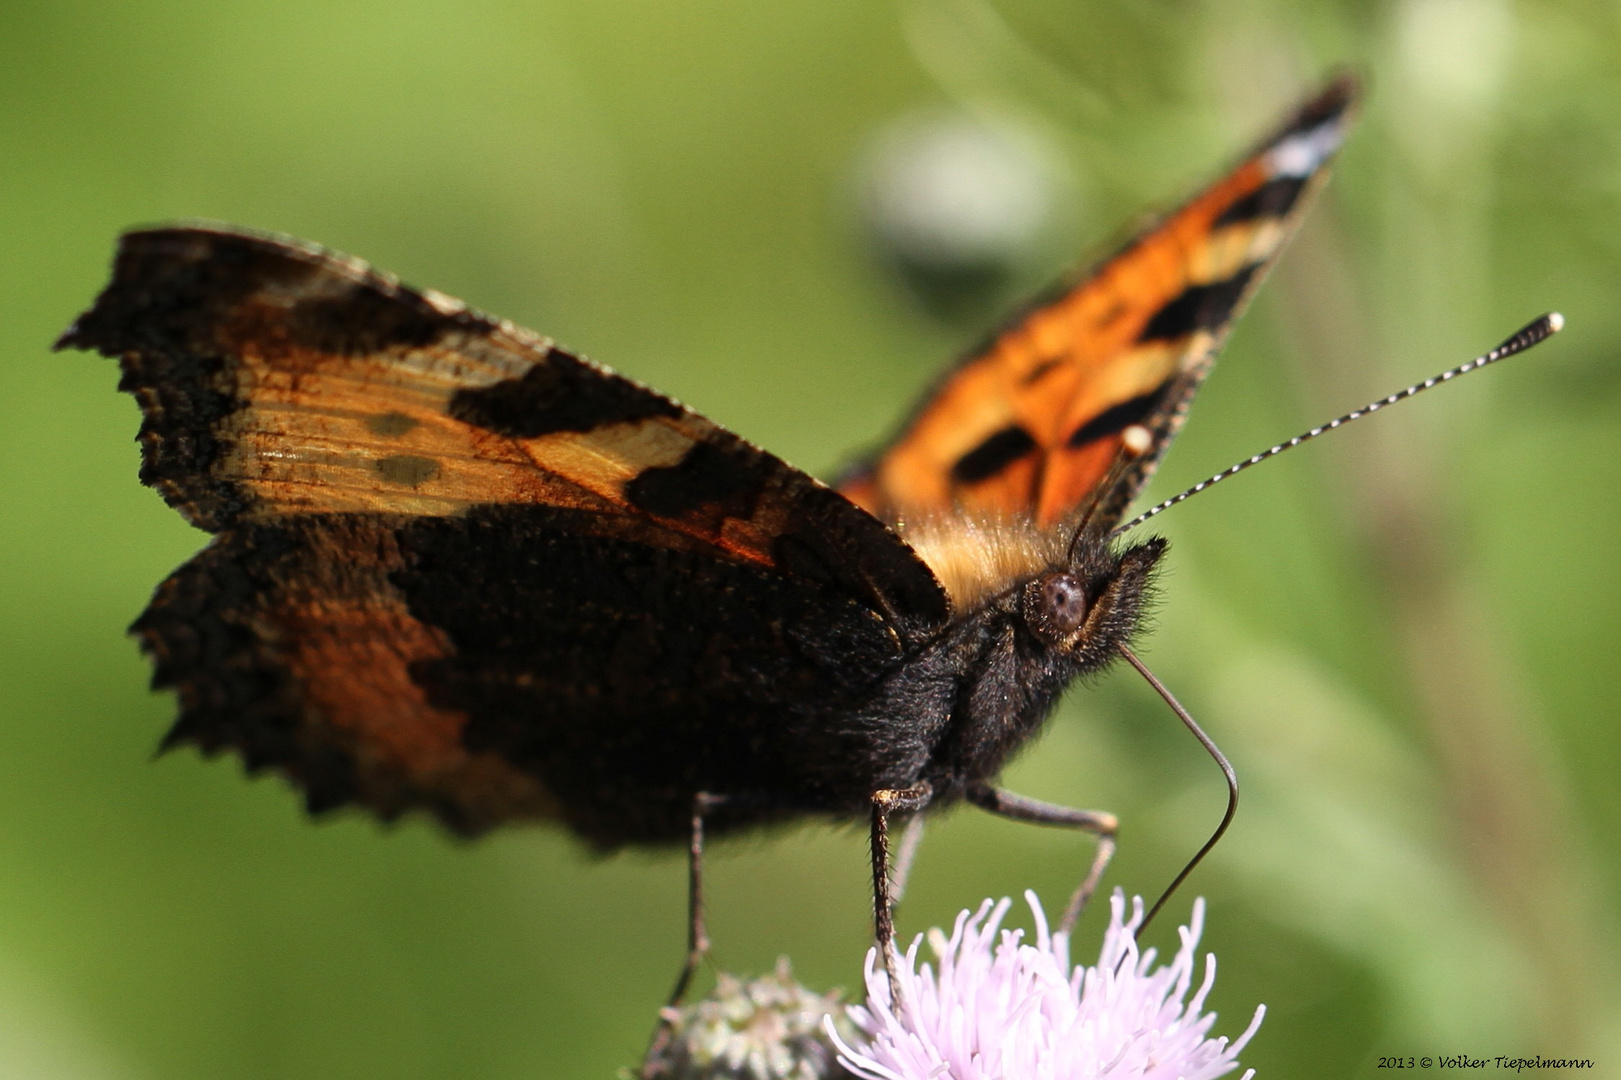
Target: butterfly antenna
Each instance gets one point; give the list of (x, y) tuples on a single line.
[(1534, 332), (1221, 760)]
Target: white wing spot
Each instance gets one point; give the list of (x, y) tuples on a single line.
[(1301, 154), (1136, 440)]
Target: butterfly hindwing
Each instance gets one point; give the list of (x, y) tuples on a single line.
[(447, 549), (1031, 426), (507, 664)]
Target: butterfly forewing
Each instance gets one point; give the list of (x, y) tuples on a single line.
[(1029, 427)]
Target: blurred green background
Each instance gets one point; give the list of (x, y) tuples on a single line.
[(1405, 636)]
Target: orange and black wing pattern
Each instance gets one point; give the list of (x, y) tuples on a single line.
[(453, 562), (1030, 428)]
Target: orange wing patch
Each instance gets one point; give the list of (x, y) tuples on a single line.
[(393, 433), (1031, 427)]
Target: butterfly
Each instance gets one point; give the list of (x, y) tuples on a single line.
[(458, 569)]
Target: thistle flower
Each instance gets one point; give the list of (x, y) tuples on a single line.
[(1000, 1009)]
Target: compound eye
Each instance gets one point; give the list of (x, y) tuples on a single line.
[(1063, 602)]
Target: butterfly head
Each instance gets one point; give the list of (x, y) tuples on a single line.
[(1084, 609)]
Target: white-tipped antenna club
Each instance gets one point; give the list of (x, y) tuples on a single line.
[(1534, 332)]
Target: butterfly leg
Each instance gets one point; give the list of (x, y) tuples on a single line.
[(884, 803), (1104, 826), (697, 932)]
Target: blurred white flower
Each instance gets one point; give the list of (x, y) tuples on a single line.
[(960, 205), (1000, 1009)]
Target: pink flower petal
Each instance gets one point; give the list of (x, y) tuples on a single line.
[(993, 1007)]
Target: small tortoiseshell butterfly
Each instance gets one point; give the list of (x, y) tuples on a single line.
[(459, 569)]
